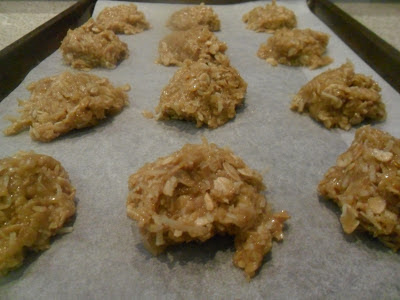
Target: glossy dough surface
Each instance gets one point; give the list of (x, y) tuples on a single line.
[(341, 98), (36, 198), (365, 184)]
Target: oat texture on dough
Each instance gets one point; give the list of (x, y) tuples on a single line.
[(202, 92), (36, 199), (193, 44), (192, 16), (201, 191), (61, 103), (269, 18), (365, 184), (340, 98), (296, 47), (126, 19), (91, 46)]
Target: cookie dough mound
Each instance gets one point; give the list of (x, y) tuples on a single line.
[(193, 16), (201, 191), (193, 44), (296, 47), (269, 18), (123, 19), (91, 46), (339, 97), (203, 92), (61, 103), (36, 199), (365, 184)]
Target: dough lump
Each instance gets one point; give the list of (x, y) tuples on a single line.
[(193, 44), (340, 97), (365, 184), (201, 191), (91, 46), (296, 47), (203, 92), (269, 18), (123, 19), (193, 16), (36, 199), (61, 103)]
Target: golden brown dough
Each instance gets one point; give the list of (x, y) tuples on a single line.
[(61, 103), (269, 18), (36, 199), (193, 16), (193, 44), (296, 47), (91, 46), (123, 19), (202, 92), (365, 183), (340, 97), (201, 191)]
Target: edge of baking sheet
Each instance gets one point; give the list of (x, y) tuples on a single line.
[(17, 59), (23, 55), (377, 53)]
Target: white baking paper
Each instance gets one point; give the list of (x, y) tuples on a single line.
[(104, 258)]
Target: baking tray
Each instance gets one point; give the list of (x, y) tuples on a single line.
[(23, 55), (104, 258)]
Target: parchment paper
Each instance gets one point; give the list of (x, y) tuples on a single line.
[(104, 258)]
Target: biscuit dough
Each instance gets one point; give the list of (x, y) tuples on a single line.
[(193, 16), (91, 46), (193, 44), (201, 191), (36, 199), (365, 184), (61, 103), (123, 19), (203, 92), (341, 98), (269, 18), (296, 47)]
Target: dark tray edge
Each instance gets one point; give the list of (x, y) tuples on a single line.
[(20, 57), (377, 53)]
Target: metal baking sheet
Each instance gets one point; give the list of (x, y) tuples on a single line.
[(104, 257)]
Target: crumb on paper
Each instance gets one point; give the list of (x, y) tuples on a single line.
[(296, 47), (365, 184), (61, 103), (340, 98), (201, 191), (36, 199)]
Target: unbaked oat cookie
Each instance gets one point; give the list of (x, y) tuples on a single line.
[(269, 18), (296, 47), (36, 199), (203, 92), (123, 19), (91, 46), (193, 16), (201, 191), (340, 97), (61, 103), (194, 44), (365, 183)]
